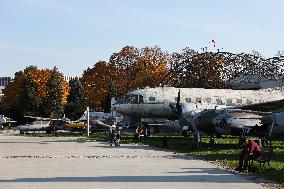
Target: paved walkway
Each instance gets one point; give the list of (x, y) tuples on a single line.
[(28, 162)]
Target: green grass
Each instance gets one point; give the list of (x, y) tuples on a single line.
[(226, 152)]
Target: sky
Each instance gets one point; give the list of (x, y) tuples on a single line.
[(75, 34)]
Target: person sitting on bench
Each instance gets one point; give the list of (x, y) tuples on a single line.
[(251, 150)]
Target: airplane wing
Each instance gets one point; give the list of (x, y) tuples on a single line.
[(265, 107), (37, 118)]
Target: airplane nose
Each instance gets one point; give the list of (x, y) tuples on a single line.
[(116, 107)]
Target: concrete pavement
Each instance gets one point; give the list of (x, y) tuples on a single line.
[(32, 162)]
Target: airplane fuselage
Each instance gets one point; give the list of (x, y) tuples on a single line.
[(161, 102)]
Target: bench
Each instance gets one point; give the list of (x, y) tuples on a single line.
[(264, 158)]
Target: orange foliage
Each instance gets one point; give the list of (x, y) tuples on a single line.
[(96, 82), (12, 92), (127, 70), (139, 68), (41, 77)]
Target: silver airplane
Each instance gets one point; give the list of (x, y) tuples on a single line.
[(2, 120), (260, 123), (169, 103), (35, 124), (101, 121), (5, 120)]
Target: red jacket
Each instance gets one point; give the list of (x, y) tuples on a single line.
[(140, 130), (252, 147)]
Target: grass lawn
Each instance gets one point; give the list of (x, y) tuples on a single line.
[(226, 152)]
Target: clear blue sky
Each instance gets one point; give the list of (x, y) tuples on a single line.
[(74, 34)]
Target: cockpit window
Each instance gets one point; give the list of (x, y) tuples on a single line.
[(141, 99), (152, 98), (135, 99), (131, 99), (127, 98)]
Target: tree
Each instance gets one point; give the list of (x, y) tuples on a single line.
[(35, 92), (191, 69), (29, 102), (129, 69), (111, 93), (55, 96), (96, 82), (76, 100), (138, 68), (11, 98)]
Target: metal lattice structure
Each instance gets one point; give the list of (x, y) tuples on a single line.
[(213, 70)]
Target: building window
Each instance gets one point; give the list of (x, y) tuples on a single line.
[(4, 81)]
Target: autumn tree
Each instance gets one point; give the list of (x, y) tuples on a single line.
[(252, 64), (55, 93), (76, 100), (129, 69), (125, 75), (192, 69), (29, 102), (111, 93), (29, 92), (11, 98), (138, 68), (96, 81)]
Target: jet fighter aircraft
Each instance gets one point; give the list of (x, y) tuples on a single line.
[(35, 124)]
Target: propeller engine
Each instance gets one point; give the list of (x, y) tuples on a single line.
[(178, 106)]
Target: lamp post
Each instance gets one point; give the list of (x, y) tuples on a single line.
[(88, 121)]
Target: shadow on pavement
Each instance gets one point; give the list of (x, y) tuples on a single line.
[(221, 178)]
